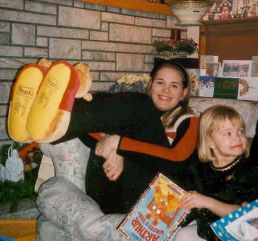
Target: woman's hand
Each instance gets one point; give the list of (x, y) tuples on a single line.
[(113, 166), (106, 145)]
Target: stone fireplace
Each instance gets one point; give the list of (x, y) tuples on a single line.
[(112, 41)]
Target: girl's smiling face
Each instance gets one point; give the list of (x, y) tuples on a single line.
[(228, 141), (167, 89)]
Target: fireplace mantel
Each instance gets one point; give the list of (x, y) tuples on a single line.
[(141, 5)]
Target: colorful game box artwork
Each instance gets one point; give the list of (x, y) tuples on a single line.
[(156, 215)]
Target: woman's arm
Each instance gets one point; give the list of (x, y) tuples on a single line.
[(106, 145), (180, 151), (113, 166)]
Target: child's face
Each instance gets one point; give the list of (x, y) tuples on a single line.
[(228, 141)]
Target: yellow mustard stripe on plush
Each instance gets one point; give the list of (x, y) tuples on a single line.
[(23, 94), (45, 109)]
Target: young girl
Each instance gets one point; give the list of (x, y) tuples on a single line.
[(227, 177)]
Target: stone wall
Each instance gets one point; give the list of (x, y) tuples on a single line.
[(112, 41)]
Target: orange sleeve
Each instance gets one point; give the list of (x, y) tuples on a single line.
[(96, 135), (28, 148), (180, 152)]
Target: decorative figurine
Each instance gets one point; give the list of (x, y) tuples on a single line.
[(14, 168)]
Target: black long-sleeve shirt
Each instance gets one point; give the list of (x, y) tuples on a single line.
[(144, 142), (234, 184)]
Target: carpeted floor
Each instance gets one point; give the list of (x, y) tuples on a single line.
[(23, 214)]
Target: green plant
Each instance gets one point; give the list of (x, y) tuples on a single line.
[(14, 192), (184, 46)]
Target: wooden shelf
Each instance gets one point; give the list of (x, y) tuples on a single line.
[(138, 5), (230, 21), (232, 40)]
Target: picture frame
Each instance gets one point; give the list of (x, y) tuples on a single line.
[(236, 68), (255, 66)]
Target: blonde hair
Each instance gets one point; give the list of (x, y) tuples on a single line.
[(171, 116), (209, 121)]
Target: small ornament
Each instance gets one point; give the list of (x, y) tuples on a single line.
[(27, 161), (14, 168)]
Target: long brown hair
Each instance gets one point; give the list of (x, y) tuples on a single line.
[(171, 116)]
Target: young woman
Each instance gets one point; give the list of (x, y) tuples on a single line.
[(228, 178), (169, 92), (157, 133)]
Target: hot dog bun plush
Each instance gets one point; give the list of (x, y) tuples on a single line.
[(85, 78), (50, 113), (23, 93)]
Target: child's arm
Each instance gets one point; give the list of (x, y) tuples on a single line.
[(197, 200)]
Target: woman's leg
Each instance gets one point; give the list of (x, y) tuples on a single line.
[(48, 231), (66, 206), (62, 199), (106, 193), (121, 113), (70, 160)]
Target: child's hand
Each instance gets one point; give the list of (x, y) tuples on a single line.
[(106, 145), (193, 199), (196, 200), (113, 166), (244, 204)]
